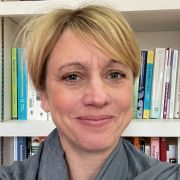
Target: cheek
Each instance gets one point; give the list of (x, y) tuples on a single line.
[(62, 102), (124, 99)]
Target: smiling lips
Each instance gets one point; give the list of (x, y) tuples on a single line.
[(95, 120)]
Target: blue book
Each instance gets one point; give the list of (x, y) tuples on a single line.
[(141, 88), (22, 86), (21, 148), (148, 84)]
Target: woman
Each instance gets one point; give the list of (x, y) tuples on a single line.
[(84, 62)]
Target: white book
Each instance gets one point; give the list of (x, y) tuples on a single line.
[(173, 83), (147, 150), (177, 92), (166, 81), (40, 113), (31, 101), (172, 153), (157, 83)]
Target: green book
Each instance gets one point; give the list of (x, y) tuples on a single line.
[(14, 113)]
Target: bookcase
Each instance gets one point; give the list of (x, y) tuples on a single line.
[(157, 24)]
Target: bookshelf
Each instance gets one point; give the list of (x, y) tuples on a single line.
[(157, 24)]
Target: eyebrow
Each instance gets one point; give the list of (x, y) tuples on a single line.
[(79, 65)]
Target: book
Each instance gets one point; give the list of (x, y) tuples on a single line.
[(21, 148), (154, 145), (163, 149), (178, 150), (8, 151), (2, 60), (172, 153), (166, 84), (177, 92), (40, 113), (135, 97), (22, 86), (34, 145), (8, 31), (141, 85), (173, 78), (14, 111), (1, 151), (157, 82), (148, 84), (136, 142), (31, 101)]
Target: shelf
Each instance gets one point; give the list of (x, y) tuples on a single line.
[(143, 16), (26, 128), (38, 7), (154, 128), (148, 128)]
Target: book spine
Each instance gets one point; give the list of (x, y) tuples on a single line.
[(40, 113), (172, 153), (163, 149), (167, 85), (14, 112), (1, 68), (157, 82), (178, 150), (177, 93), (155, 148), (34, 145), (148, 84), (31, 103), (15, 148), (135, 97), (21, 148), (173, 84), (22, 86), (141, 87), (1, 150)]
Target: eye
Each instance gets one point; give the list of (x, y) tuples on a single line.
[(71, 77), (116, 75)]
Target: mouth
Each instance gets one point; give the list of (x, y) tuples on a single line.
[(99, 120)]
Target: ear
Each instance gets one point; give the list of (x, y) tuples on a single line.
[(44, 100)]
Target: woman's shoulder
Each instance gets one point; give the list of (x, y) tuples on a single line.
[(145, 167), (22, 170), (28, 169)]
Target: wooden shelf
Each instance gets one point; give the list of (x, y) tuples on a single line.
[(141, 128)]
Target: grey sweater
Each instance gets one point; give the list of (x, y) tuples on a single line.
[(124, 163)]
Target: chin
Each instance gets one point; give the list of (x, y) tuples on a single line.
[(99, 144)]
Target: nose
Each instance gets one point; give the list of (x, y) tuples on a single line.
[(96, 94)]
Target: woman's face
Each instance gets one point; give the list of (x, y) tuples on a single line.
[(88, 94)]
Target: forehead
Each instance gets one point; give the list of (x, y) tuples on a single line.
[(72, 47)]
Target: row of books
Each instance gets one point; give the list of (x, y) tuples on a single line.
[(18, 148), (25, 100), (157, 90), (160, 148)]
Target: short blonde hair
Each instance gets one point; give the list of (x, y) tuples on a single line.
[(102, 26)]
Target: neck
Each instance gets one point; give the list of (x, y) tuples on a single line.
[(83, 165), (82, 168)]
